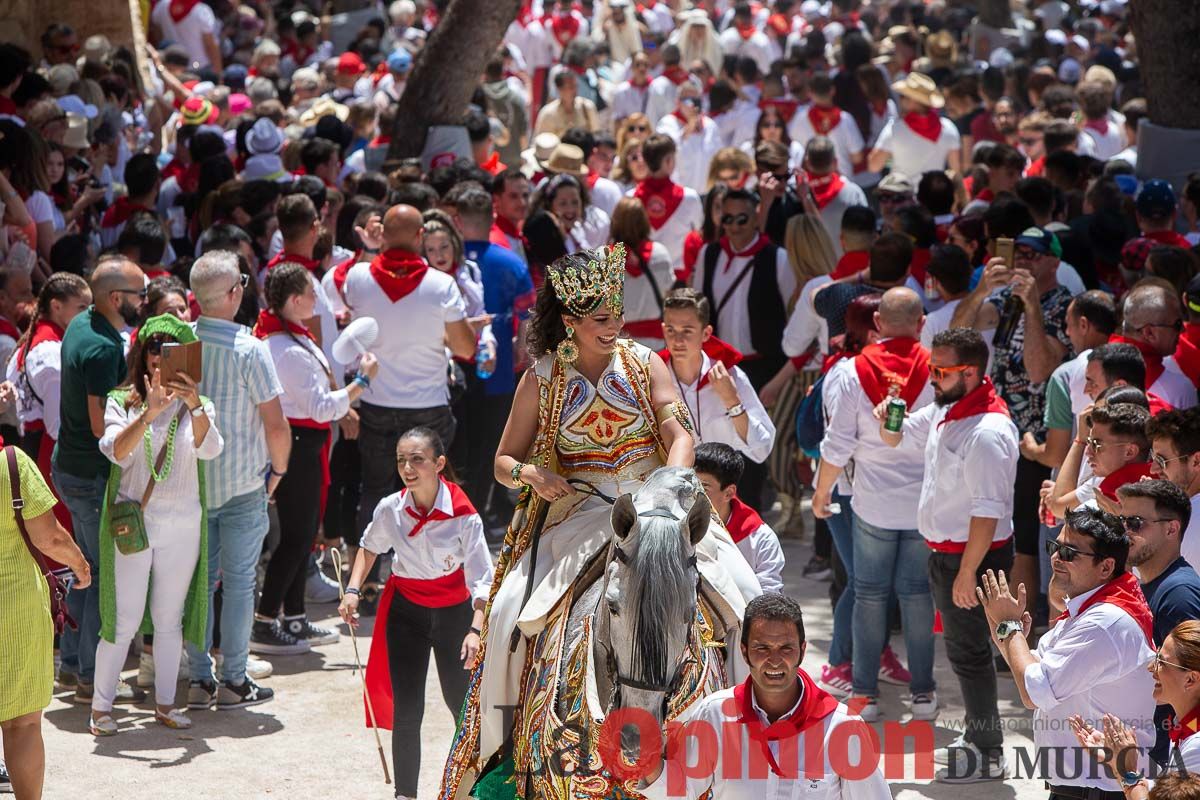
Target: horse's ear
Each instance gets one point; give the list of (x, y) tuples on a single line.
[(698, 518), (623, 516)]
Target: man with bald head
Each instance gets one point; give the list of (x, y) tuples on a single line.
[(93, 363), (420, 312), (1152, 320), (890, 556)]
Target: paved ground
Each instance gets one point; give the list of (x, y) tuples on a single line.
[(310, 742)]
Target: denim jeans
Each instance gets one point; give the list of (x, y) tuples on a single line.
[(84, 498), (888, 560), (235, 539), (840, 530)]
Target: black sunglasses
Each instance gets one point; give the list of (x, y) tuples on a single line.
[(155, 345), (731, 219), (1065, 551), (1134, 523), (139, 292)]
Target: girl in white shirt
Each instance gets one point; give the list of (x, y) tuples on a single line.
[(310, 402), (441, 577)]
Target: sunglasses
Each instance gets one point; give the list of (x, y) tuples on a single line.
[(639, 128), (890, 199), (939, 373), (1160, 463), (1065, 552), (1133, 523), (243, 282), (1030, 142), (773, 123), (731, 219), (1158, 662), (155, 345), (1098, 445), (139, 292)]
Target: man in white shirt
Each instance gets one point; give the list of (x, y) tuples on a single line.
[(632, 96), (782, 699), (823, 118), (919, 140), (1152, 319), (674, 210), (743, 39), (420, 311), (1093, 659), (1175, 456), (661, 94), (890, 554), (948, 280), (191, 24), (696, 136), (965, 515)]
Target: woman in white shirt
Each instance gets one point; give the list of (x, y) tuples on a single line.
[(441, 577), (154, 418), (310, 402), (648, 273)]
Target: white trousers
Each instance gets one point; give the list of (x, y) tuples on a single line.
[(171, 565)]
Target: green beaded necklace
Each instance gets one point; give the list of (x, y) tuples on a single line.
[(170, 459)]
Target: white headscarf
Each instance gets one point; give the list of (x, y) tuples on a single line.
[(709, 51)]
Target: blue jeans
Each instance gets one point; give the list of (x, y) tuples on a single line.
[(840, 530), (885, 561), (84, 498), (235, 540)]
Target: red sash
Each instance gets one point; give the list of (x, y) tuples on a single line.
[(1130, 473), (1187, 351), (823, 120), (1153, 359), (825, 187), (181, 8), (1126, 594), (44, 331), (398, 272), (899, 365), (660, 197), (851, 263), (815, 705), (752, 250), (636, 263), (282, 257), (980, 400), (927, 125), (743, 520), (119, 212)]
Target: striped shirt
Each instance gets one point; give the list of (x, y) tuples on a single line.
[(238, 376)]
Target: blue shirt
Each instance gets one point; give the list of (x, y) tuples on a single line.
[(238, 376), (1173, 597), (508, 296)]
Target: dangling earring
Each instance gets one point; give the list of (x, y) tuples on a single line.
[(567, 350)]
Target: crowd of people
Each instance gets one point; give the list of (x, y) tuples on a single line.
[(870, 252)]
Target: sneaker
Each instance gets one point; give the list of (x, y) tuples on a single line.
[(66, 681), (818, 569), (944, 755), (5, 781), (248, 693), (319, 588), (865, 707), (837, 679), (968, 765), (104, 726), (201, 694), (145, 676), (924, 705), (255, 667), (125, 694), (305, 631), (270, 637), (891, 670)]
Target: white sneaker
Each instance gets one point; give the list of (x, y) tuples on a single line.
[(319, 588), (865, 707), (924, 706), (145, 676), (256, 668), (944, 755)]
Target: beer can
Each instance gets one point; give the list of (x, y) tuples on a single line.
[(894, 421)]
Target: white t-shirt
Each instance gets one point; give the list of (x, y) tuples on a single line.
[(913, 154), (189, 31), (693, 151), (847, 139), (604, 195)]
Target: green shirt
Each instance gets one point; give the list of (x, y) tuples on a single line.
[(1058, 401), (93, 363)]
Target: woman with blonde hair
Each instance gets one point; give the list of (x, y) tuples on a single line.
[(635, 126), (648, 272), (630, 168), (729, 166)]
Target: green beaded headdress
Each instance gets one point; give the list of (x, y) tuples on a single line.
[(602, 282)]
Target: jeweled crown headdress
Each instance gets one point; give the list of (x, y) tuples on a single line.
[(602, 282)]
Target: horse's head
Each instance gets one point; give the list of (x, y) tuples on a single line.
[(645, 617)]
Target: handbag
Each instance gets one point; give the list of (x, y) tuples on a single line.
[(58, 588), (126, 525)]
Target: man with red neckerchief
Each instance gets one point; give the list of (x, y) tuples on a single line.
[(510, 198), (1093, 659), (965, 515), (633, 95), (772, 714), (192, 24), (823, 118), (674, 210), (660, 98), (919, 140), (831, 192), (1156, 206), (1187, 346), (1152, 322), (697, 138), (743, 39)]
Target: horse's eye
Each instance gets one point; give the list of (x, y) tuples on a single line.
[(612, 608)]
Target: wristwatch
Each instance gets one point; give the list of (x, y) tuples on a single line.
[(735, 411), (1008, 628), (1131, 779), (198, 411)]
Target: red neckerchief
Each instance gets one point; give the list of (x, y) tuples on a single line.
[(311, 264), (1037, 168), (1185, 727), (1157, 404), (380, 141), (751, 250), (920, 261), (815, 705), (986, 195), (660, 197), (718, 351), (1154, 361), (879, 109), (851, 263), (497, 237), (158, 273), (780, 23), (980, 400), (381, 69), (268, 323), (181, 8), (1130, 473), (1100, 126), (8, 329), (1126, 594), (1169, 238), (174, 169), (525, 15), (591, 179), (823, 120), (507, 227), (493, 166), (398, 272), (746, 30), (676, 74), (637, 262), (927, 125), (460, 507), (743, 520), (119, 212), (564, 27), (341, 271), (44, 331), (1187, 351), (642, 84), (785, 108), (825, 187), (899, 365)]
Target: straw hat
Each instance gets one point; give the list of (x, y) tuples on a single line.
[(543, 148), (941, 47), (77, 132), (323, 107), (920, 89), (567, 159)]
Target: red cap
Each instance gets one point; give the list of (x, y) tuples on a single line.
[(350, 64)]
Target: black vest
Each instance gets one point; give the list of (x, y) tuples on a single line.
[(768, 314)]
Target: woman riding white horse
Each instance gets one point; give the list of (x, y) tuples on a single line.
[(596, 412)]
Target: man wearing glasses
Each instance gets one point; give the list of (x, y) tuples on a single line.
[(1155, 514), (1175, 456), (1153, 320), (1093, 659), (1113, 439)]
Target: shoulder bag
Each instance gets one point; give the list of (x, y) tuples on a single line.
[(126, 525)]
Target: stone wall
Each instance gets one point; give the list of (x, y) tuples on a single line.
[(22, 21)]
